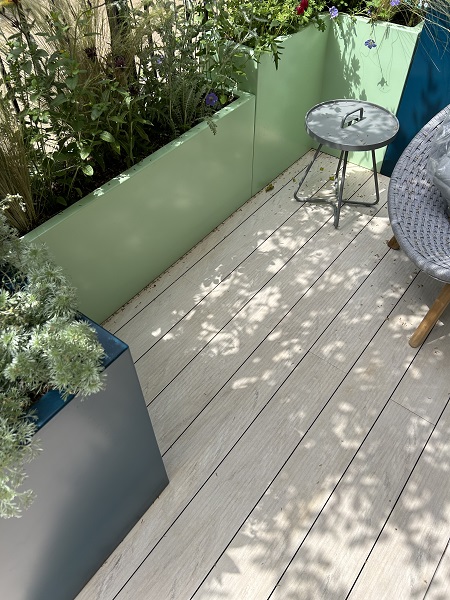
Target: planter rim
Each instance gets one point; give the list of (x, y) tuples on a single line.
[(241, 98), (250, 51), (325, 17), (386, 24), (49, 405)]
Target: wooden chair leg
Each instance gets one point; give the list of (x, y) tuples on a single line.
[(430, 319), (392, 243)]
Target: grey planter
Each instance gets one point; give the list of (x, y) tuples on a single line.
[(99, 470)]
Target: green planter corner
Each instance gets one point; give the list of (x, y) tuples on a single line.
[(283, 96), (378, 75), (116, 240)]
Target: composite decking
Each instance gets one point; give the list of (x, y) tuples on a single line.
[(306, 443)]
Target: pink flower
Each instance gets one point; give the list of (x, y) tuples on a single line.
[(302, 7)]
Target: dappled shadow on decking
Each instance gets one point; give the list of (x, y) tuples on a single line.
[(306, 443)]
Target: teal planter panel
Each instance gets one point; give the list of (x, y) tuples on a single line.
[(283, 96), (115, 241), (427, 89), (378, 74)]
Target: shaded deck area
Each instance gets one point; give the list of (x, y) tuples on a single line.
[(306, 443)]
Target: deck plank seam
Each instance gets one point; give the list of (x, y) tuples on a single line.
[(408, 409), (437, 569), (370, 217), (225, 238), (327, 402), (284, 463), (434, 426), (300, 205), (232, 232)]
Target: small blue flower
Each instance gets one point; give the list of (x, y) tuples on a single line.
[(370, 44), (394, 2), (333, 12), (211, 99)]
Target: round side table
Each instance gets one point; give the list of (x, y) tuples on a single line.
[(348, 126)]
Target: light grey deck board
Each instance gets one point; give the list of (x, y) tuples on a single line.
[(439, 588), (282, 337), (309, 306), (199, 258), (328, 561), (287, 245), (277, 526), (404, 559)]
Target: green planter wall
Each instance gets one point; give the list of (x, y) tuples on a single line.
[(316, 66), (352, 70), (119, 238), (113, 242), (283, 96)]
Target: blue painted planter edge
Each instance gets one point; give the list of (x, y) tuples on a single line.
[(52, 402)]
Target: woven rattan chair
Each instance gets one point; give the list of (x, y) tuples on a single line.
[(421, 227)]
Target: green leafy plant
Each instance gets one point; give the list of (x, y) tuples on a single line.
[(402, 12), (92, 87), (43, 345), (268, 20)]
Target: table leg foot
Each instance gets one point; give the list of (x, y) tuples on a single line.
[(308, 168), (340, 189)]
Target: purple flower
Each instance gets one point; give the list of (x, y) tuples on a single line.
[(333, 12), (370, 44), (211, 99), (394, 2)]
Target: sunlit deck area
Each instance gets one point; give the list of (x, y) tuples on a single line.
[(306, 443)]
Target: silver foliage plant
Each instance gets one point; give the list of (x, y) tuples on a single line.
[(43, 345)]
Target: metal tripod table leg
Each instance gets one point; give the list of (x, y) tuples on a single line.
[(308, 168), (339, 186), (354, 202)]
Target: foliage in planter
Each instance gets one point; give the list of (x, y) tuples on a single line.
[(272, 19), (401, 12), (90, 88), (43, 345)]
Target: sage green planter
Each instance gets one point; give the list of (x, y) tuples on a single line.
[(283, 96), (113, 242), (316, 66), (378, 75)]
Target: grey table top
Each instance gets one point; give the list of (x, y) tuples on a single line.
[(351, 125)]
